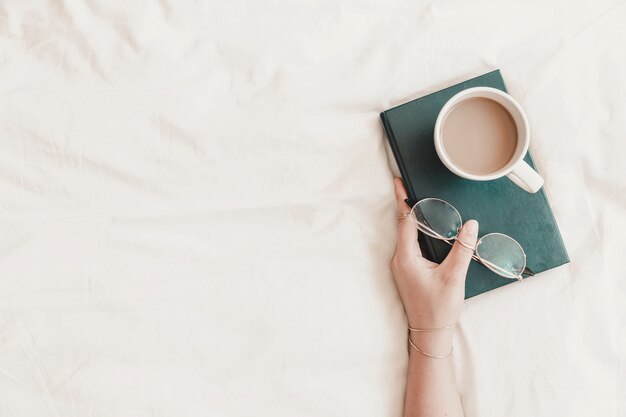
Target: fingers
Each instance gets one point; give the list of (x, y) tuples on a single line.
[(460, 256), (407, 232)]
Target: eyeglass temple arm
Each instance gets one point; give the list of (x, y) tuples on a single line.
[(527, 271)]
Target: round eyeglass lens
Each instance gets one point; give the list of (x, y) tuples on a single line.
[(436, 218), (502, 254)]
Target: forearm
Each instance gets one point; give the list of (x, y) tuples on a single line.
[(431, 387)]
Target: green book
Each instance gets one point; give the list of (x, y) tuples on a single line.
[(499, 205)]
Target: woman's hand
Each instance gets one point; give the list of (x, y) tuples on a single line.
[(432, 294), (433, 297)]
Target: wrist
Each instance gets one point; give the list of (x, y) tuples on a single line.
[(432, 321)]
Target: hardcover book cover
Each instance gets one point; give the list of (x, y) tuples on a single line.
[(499, 205)]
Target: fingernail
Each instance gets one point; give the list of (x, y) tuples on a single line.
[(471, 227)]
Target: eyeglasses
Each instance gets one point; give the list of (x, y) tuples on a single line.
[(500, 253)]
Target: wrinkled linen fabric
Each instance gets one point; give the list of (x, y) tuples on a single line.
[(197, 211)]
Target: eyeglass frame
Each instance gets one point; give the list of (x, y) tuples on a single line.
[(525, 272)]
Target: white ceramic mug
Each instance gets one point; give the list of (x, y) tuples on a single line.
[(517, 170)]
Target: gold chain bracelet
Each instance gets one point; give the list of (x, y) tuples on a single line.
[(429, 354), (434, 329)]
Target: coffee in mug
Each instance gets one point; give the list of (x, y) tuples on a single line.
[(482, 134), (479, 136)]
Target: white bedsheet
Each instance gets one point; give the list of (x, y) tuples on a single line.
[(197, 213)]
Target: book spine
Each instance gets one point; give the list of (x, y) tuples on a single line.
[(426, 245)]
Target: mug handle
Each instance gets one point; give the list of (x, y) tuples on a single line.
[(526, 177)]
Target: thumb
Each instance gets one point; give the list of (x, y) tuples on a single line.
[(458, 260)]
